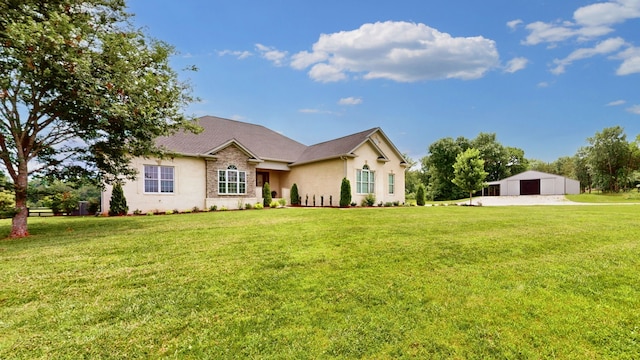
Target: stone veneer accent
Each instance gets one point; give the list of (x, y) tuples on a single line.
[(231, 155)]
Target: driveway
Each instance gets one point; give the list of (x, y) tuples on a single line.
[(522, 200)]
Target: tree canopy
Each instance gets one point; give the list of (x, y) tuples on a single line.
[(81, 89), (469, 172)]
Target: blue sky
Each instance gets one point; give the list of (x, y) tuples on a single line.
[(542, 75)]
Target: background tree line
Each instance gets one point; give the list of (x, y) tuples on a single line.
[(609, 163)]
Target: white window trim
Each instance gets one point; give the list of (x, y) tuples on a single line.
[(371, 180), (232, 169), (158, 179), (391, 187)]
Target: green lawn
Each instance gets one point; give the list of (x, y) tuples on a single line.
[(596, 197), (430, 282)]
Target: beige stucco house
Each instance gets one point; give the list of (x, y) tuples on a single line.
[(229, 161)]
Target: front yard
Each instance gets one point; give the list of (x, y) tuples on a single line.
[(410, 282)]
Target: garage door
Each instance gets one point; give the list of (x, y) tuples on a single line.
[(530, 187)]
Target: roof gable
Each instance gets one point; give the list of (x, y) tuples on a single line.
[(257, 140), (263, 144)]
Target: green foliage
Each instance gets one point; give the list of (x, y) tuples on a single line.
[(79, 82), (369, 200), (258, 206), (266, 195), (345, 193), (213, 207), (295, 196), (282, 202), (7, 204), (495, 156), (118, 204), (421, 195), (610, 159), (274, 204), (248, 206), (438, 167), (168, 212), (469, 172)]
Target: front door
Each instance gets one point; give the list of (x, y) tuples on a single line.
[(261, 178)]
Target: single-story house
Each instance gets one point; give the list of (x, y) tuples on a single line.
[(532, 183), (227, 164)]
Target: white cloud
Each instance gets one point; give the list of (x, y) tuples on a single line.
[(631, 61), (589, 22), (516, 64), (513, 24), (399, 51), (605, 14), (237, 117), (543, 84), (635, 109), (605, 47), (238, 54), (617, 103), (314, 111), (350, 101), (272, 54)]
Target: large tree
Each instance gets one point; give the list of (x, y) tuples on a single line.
[(496, 157), (438, 164), (80, 85), (609, 158), (469, 172)]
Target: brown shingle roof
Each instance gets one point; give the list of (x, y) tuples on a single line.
[(332, 149), (260, 141)]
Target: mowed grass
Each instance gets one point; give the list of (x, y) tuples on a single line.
[(433, 282), (597, 197)]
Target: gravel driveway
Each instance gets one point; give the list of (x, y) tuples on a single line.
[(522, 200)]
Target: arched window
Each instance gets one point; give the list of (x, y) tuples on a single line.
[(232, 181), (365, 181)]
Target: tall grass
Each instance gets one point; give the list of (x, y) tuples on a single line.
[(435, 282)]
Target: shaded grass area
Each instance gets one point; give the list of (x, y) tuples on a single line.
[(434, 282), (597, 197)]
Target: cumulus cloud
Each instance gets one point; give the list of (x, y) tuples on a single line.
[(350, 101), (617, 103), (513, 24), (589, 22), (605, 47), (398, 51), (238, 54), (631, 61), (516, 64), (272, 54), (635, 109)]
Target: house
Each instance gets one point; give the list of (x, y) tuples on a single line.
[(227, 164), (532, 183)]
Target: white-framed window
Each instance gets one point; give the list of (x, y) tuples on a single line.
[(392, 184), (365, 181), (159, 179), (231, 181)]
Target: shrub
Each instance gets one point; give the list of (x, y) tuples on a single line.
[(295, 197), (223, 208), (118, 205), (353, 203), (7, 204), (258, 206), (388, 204), (345, 193), (273, 204), (420, 196), (369, 200), (195, 209), (266, 194), (282, 202), (248, 206), (213, 207), (150, 213), (137, 212), (168, 212), (396, 203), (94, 206)]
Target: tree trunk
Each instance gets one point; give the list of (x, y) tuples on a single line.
[(470, 197), (19, 222)]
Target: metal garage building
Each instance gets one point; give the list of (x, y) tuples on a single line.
[(532, 183)]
